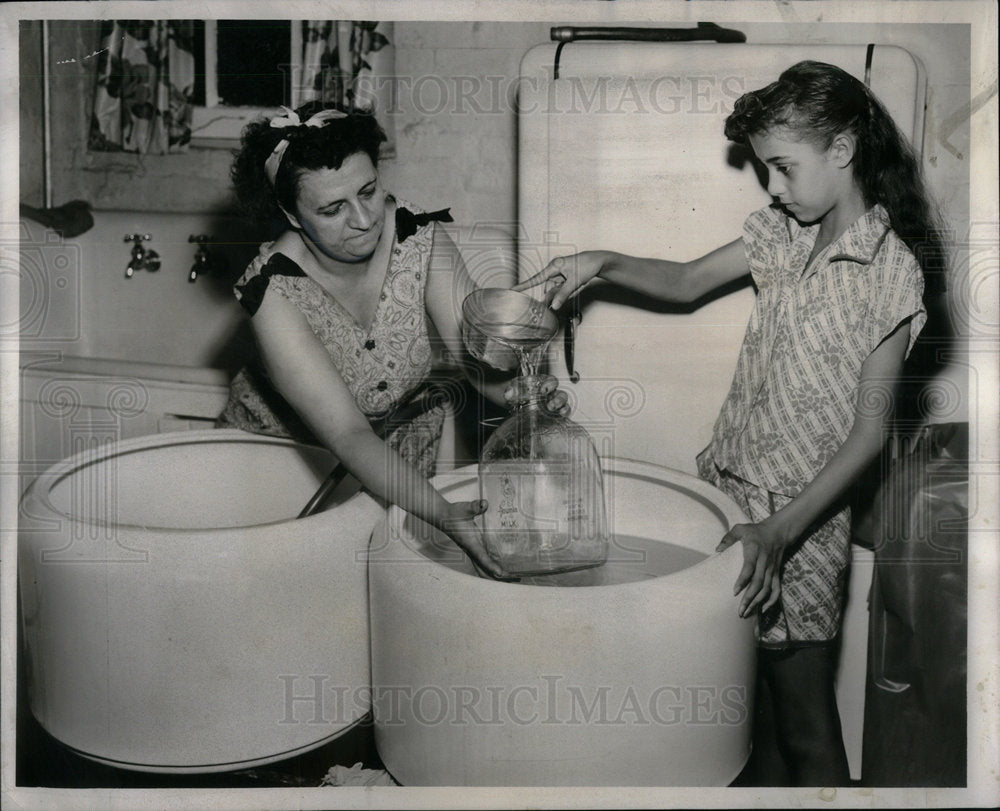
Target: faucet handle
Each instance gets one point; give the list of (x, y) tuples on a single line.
[(142, 257), (200, 256), (204, 261)]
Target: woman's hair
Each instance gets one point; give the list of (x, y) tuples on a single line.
[(325, 147), (817, 102)]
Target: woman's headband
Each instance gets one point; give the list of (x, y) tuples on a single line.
[(291, 119)]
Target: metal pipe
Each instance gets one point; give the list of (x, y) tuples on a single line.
[(46, 125)]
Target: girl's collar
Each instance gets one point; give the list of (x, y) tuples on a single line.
[(859, 243)]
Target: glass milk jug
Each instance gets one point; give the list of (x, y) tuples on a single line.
[(542, 478)]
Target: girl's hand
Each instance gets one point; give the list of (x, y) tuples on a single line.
[(459, 526), (565, 275), (759, 579)]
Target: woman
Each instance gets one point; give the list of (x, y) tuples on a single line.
[(345, 310)]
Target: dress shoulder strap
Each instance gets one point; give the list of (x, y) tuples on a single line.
[(251, 292), (407, 221)]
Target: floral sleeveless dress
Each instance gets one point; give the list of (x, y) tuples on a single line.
[(383, 366)]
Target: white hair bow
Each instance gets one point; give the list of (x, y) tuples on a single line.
[(291, 119)]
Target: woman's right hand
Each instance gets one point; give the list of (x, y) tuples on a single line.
[(565, 275), (460, 527)]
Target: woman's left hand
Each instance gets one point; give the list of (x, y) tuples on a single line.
[(460, 527), (760, 577), (556, 400)]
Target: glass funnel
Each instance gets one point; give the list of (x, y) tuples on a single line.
[(506, 329)]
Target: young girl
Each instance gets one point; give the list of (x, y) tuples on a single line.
[(836, 261)]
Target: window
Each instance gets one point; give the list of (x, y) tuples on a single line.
[(248, 68), (244, 69)]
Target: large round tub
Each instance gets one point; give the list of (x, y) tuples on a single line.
[(177, 618), (636, 673)]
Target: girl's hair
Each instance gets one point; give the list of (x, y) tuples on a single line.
[(325, 147), (817, 102)]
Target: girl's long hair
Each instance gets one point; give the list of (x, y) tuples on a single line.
[(817, 102)]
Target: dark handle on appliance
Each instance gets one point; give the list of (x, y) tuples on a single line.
[(704, 31), (570, 346)]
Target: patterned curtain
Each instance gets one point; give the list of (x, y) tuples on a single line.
[(145, 78), (347, 62)]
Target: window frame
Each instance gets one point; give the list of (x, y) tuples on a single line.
[(217, 126)]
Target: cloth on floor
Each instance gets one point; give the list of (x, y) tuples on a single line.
[(357, 775)]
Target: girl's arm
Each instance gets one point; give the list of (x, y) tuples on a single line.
[(764, 544), (657, 278), (301, 370), (448, 284)]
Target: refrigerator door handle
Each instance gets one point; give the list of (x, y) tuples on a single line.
[(564, 34), (704, 31)]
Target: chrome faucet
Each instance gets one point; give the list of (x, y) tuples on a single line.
[(204, 260), (142, 257)]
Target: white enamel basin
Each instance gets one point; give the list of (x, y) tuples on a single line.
[(177, 618), (646, 680)]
